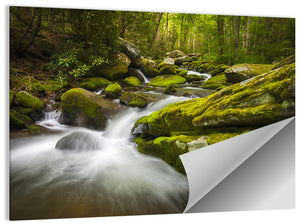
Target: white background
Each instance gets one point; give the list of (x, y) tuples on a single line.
[(274, 8)]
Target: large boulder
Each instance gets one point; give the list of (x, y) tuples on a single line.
[(240, 72), (133, 99), (79, 141), (117, 68), (167, 80), (175, 54), (165, 68), (81, 107), (132, 53), (94, 83), (181, 60), (149, 68)]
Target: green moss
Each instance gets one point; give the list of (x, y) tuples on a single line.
[(166, 148), (182, 72), (81, 107), (27, 100), (95, 83), (113, 90), (149, 68), (18, 121), (171, 89), (133, 100), (216, 82), (11, 96), (255, 102), (218, 137), (132, 81), (166, 80), (165, 68)]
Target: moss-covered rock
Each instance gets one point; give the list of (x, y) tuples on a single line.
[(18, 121), (149, 68), (113, 90), (216, 82), (26, 99), (171, 89), (11, 97), (285, 61), (182, 72), (166, 80), (117, 68), (175, 54), (132, 81), (262, 100), (81, 107), (183, 59), (202, 66), (136, 73), (219, 69), (167, 148), (133, 100), (95, 83), (194, 78), (240, 72), (165, 68)]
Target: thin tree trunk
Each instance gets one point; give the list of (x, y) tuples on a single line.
[(236, 31), (220, 24)]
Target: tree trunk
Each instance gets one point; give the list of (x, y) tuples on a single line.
[(236, 31), (248, 34), (220, 24)]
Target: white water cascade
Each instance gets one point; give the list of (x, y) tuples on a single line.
[(145, 78), (112, 179), (204, 75)]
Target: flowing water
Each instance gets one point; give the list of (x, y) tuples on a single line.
[(102, 174), (204, 75), (145, 78)]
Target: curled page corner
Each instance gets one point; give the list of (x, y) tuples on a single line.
[(208, 166)]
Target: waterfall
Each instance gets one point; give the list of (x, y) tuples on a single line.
[(204, 75), (50, 121), (97, 175), (145, 78)]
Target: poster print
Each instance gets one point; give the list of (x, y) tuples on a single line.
[(103, 103)]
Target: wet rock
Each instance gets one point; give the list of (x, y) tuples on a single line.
[(117, 68), (133, 100), (131, 52), (113, 91), (149, 68), (81, 107), (169, 61), (240, 72), (175, 54), (132, 81), (79, 141), (181, 60), (166, 80)]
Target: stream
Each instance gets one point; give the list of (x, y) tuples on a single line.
[(113, 179), (103, 174)]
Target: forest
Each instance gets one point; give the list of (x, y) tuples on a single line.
[(102, 103)]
